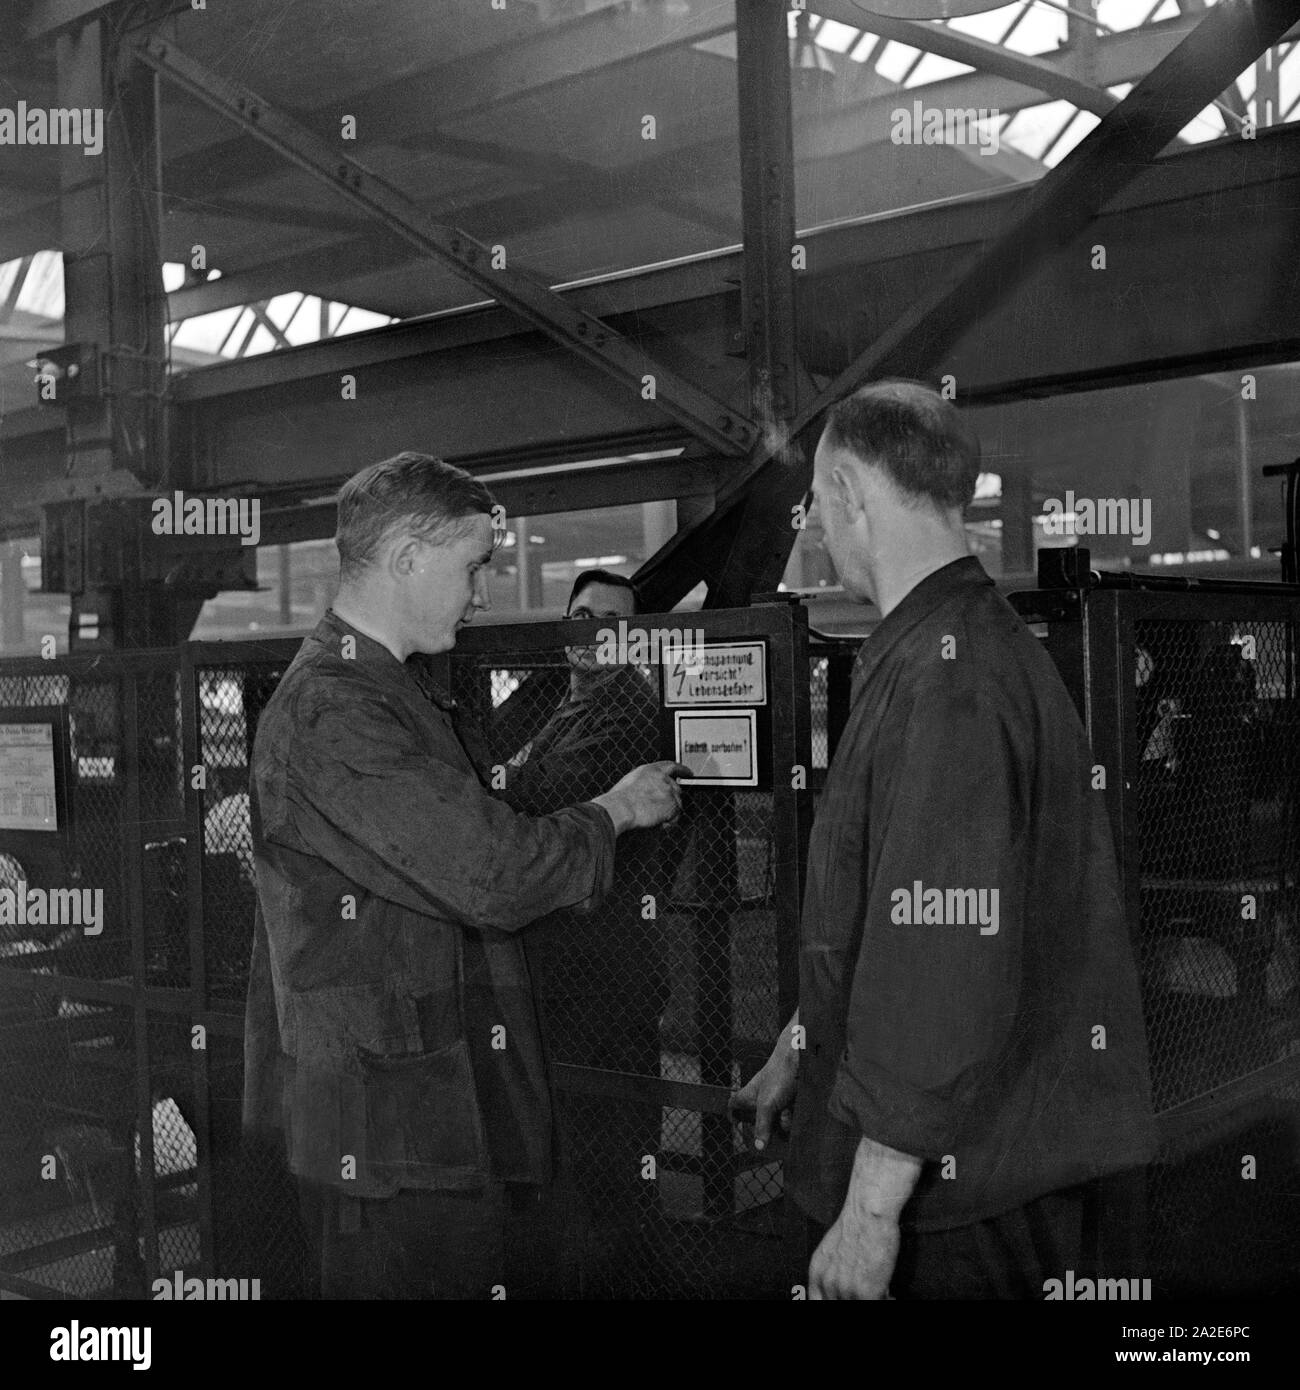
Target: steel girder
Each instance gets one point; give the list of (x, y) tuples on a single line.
[(1122, 57), (759, 545), (1201, 254), (556, 56), (715, 423)]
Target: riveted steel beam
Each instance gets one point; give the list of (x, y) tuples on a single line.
[(716, 424), (760, 543), (1122, 57)]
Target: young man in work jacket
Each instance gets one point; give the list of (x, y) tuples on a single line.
[(969, 1048), (392, 1037)]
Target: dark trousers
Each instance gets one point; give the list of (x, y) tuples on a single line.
[(492, 1243), (1009, 1256)]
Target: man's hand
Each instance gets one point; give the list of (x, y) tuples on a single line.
[(771, 1089), (857, 1255), (647, 796), (855, 1259)]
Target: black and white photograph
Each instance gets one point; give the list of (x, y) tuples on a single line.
[(649, 655)]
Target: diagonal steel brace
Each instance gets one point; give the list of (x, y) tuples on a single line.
[(725, 430)]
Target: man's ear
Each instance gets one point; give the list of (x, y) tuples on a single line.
[(404, 557), (848, 491)]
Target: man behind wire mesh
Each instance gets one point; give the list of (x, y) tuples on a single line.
[(601, 978)]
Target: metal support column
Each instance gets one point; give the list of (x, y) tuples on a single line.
[(116, 307), (750, 546), (762, 534)]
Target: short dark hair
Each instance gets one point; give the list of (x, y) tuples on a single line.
[(918, 438), (432, 499), (619, 581)]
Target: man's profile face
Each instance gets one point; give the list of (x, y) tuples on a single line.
[(448, 585), (597, 600), (828, 506), (824, 505)]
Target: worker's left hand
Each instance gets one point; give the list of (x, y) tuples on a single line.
[(855, 1260)]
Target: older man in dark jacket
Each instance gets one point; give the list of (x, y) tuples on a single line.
[(968, 1052), (392, 1037)]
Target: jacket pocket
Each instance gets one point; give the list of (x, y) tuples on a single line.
[(422, 1117)]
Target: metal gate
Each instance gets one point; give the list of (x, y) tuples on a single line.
[(1191, 704), (654, 1012)]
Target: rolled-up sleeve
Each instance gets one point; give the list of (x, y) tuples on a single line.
[(366, 793), (933, 1006)]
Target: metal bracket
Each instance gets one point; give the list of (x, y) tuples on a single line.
[(727, 431), (69, 373)]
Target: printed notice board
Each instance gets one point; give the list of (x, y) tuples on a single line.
[(719, 746), (28, 796), (717, 673)]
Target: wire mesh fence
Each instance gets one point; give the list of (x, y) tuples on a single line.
[(67, 1053), (1218, 810), (657, 1004), (1194, 713), (121, 1051), (121, 1048), (118, 1120)]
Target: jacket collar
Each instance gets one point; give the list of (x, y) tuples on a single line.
[(917, 605), (378, 660)]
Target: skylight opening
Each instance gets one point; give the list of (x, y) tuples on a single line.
[(894, 62), (933, 68), (836, 37)]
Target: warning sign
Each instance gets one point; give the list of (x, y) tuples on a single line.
[(27, 792), (719, 748), (717, 673)]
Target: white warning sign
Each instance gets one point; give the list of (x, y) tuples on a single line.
[(720, 748), (717, 673), (27, 794)]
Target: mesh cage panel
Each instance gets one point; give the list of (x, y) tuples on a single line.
[(662, 1200), (162, 794), (68, 1214), (1217, 792), (258, 1229), (818, 682), (97, 851), (173, 1108), (1216, 805), (229, 700)]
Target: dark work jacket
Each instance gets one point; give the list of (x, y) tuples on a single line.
[(1013, 1062), (392, 1038)]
